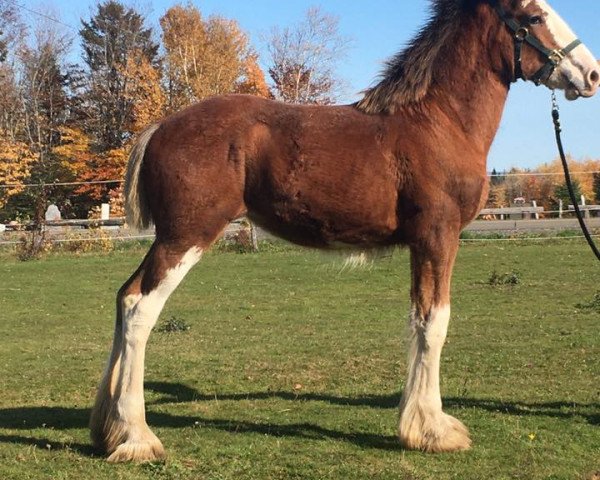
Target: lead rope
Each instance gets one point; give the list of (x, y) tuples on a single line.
[(563, 158)]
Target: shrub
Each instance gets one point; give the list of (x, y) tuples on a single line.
[(511, 278), (173, 325), (594, 304), (33, 244), (76, 242)]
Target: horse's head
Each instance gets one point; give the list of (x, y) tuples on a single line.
[(546, 50)]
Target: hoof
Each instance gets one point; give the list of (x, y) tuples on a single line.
[(124, 442), (434, 434), (138, 452)]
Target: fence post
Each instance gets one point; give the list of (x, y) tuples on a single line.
[(104, 211), (560, 209), (587, 212), (537, 215), (253, 236)]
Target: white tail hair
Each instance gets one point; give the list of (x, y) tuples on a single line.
[(136, 208)]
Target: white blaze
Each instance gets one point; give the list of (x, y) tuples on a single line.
[(578, 64)]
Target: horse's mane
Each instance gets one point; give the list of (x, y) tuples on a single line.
[(409, 74)]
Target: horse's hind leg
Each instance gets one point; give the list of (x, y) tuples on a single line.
[(118, 421), (423, 424)]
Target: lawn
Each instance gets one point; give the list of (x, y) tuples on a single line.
[(292, 367)]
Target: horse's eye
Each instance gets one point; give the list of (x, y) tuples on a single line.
[(536, 20)]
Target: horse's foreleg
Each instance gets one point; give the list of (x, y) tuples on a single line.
[(423, 424), (118, 421)]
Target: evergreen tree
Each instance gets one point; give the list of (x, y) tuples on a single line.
[(597, 187), (109, 39), (497, 179), (561, 192)]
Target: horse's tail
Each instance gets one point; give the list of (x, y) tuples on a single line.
[(136, 207)]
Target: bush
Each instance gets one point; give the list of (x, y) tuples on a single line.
[(173, 325), (76, 242), (511, 278), (32, 245), (594, 304)]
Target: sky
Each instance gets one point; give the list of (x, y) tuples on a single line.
[(380, 28)]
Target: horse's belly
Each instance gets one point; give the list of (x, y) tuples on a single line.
[(326, 225)]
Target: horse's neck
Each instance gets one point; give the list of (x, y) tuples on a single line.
[(472, 93)]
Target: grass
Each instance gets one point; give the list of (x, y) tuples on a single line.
[(292, 369)]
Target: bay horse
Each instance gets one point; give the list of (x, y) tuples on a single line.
[(405, 165)]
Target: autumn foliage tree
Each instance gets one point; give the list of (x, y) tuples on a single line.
[(16, 161), (253, 80), (122, 92), (206, 57), (143, 91), (546, 184)]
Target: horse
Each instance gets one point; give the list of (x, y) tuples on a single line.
[(403, 166)]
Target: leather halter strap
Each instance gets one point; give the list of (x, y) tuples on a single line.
[(521, 35)]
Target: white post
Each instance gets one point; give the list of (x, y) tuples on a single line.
[(587, 212), (560, 209), (104, 214), (254, 237), (104, 211), (537, 215)]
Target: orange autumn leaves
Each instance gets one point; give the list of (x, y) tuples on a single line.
[(201, 57)]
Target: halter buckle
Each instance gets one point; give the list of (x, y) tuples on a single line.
[(521, 33), (556, 56)]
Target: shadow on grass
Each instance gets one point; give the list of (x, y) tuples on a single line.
[(47, 444), (62, 418), (59, 418), (179, 393)]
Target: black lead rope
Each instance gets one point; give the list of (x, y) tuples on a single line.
[(563, 158)]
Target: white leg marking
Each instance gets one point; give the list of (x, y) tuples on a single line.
[(140, 313), (425, 353), (127, 435), (423, 425)]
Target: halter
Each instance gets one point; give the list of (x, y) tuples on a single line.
[(522, 35)]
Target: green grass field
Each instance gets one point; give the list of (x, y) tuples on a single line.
[(292, 368)]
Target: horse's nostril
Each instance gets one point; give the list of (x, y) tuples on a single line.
[(594, 77)]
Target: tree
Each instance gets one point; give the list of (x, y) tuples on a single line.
[(253, 80), (108, 165), (16, 161), (497, 178), (579, 171), (11, 28), (11, 32), (143, 90), (497, 196), (73, 153), (596, 181), (304, 57), (44, 98), (183, 35), (10, 106), (204, 58), (109, 39), (561, 192)]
